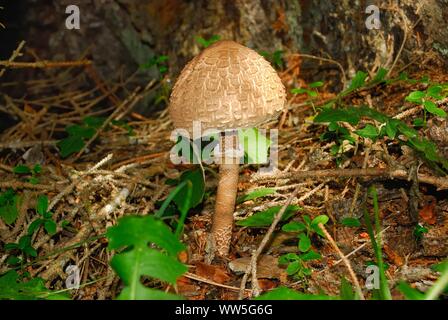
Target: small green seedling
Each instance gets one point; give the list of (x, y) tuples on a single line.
[(207, 43), (297, 262), (78, 134), (25, 170), (160, 62), (46, 217), (9, 201)]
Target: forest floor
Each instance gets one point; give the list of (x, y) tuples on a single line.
[(115, 162)]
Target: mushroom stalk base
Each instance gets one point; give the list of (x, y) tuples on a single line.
[(225, 204)]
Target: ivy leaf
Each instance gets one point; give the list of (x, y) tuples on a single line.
[(265, 218), (259, 193), (137, 235)]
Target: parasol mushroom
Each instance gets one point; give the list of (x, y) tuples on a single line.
[(226, 87)]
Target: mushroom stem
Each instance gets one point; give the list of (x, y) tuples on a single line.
[(226, 196), (225, 203)]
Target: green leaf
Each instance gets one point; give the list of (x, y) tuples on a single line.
[(320, 219), (315, 224), (304, 242), (9, 202), (13, 260), (351, 116), (34, 226), (209, 42), (310, 255), (80, 131), (298, 91), (42, 204), (431, 107), (358, 81), (293, 267), (346, 291), (418, 122), (70, 145), (21, 169), (380, 75), (316, 84), (13, 289), (294, 226), (409, 292), (368, 131), (37, 168), (143, 293), (197, 192), (50, 227), (415, 96), (259, 193), (135, 234), (255, 144), (265, 218), (283, 293), (33, 180), (435, 92), (351, 222), (93, 123)]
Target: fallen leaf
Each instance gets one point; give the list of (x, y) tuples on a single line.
[(393, 256), (211, 272), (267, 267), (427, 213)]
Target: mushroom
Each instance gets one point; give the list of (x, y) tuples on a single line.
[(226, 87)]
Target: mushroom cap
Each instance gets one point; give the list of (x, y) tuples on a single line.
[(226, 86)]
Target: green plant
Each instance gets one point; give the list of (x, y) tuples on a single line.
[(427, 98), (312, 92), (383, 292), (34, 171), (297, 262), (145, 248), (77, 134), (275, 58), (207, 43), (9, 201), (387, 127), (46, 217), (264, 218), (160, 62), (15, 287)]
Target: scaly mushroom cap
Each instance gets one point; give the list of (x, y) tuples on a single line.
[(226, 86)]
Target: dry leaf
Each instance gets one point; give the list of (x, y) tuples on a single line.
[(211, 272)]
